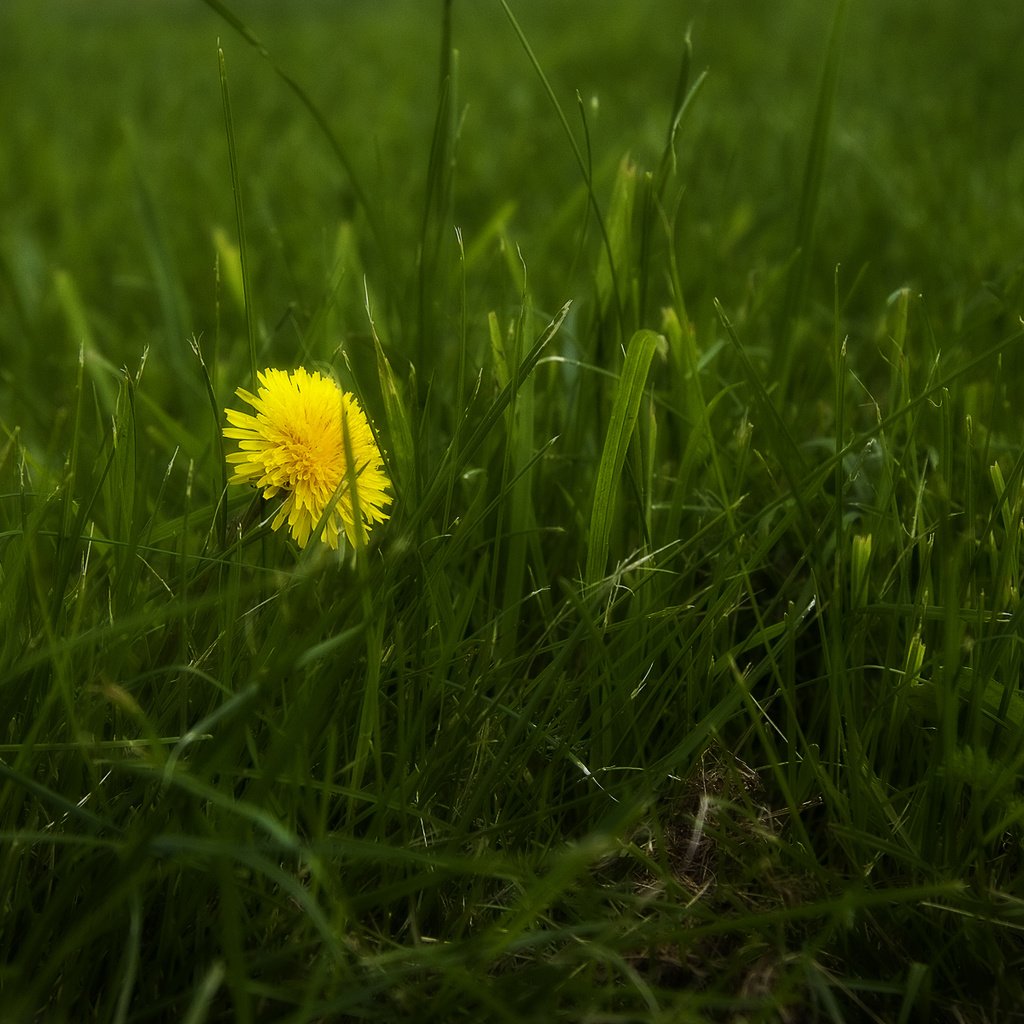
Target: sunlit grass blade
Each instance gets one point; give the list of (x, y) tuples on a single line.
[(621, 426)]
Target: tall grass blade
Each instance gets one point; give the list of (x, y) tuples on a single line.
[(315, 112), (810, 195), (621, 426), (243, 248), (581, 162)]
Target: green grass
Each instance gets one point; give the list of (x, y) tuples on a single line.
[(684, 683)]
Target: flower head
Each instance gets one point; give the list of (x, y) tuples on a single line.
[(298, 445)]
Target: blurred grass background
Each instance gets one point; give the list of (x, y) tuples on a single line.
[(114, 162)]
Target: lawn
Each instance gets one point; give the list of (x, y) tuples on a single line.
[(679, 677)]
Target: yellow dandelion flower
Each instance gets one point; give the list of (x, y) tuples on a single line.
[(296, 445)]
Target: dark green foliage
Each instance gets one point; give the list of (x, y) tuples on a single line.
[(684, 682)]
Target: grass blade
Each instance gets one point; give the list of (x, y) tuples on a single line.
[(625, 409), (243, 249)]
